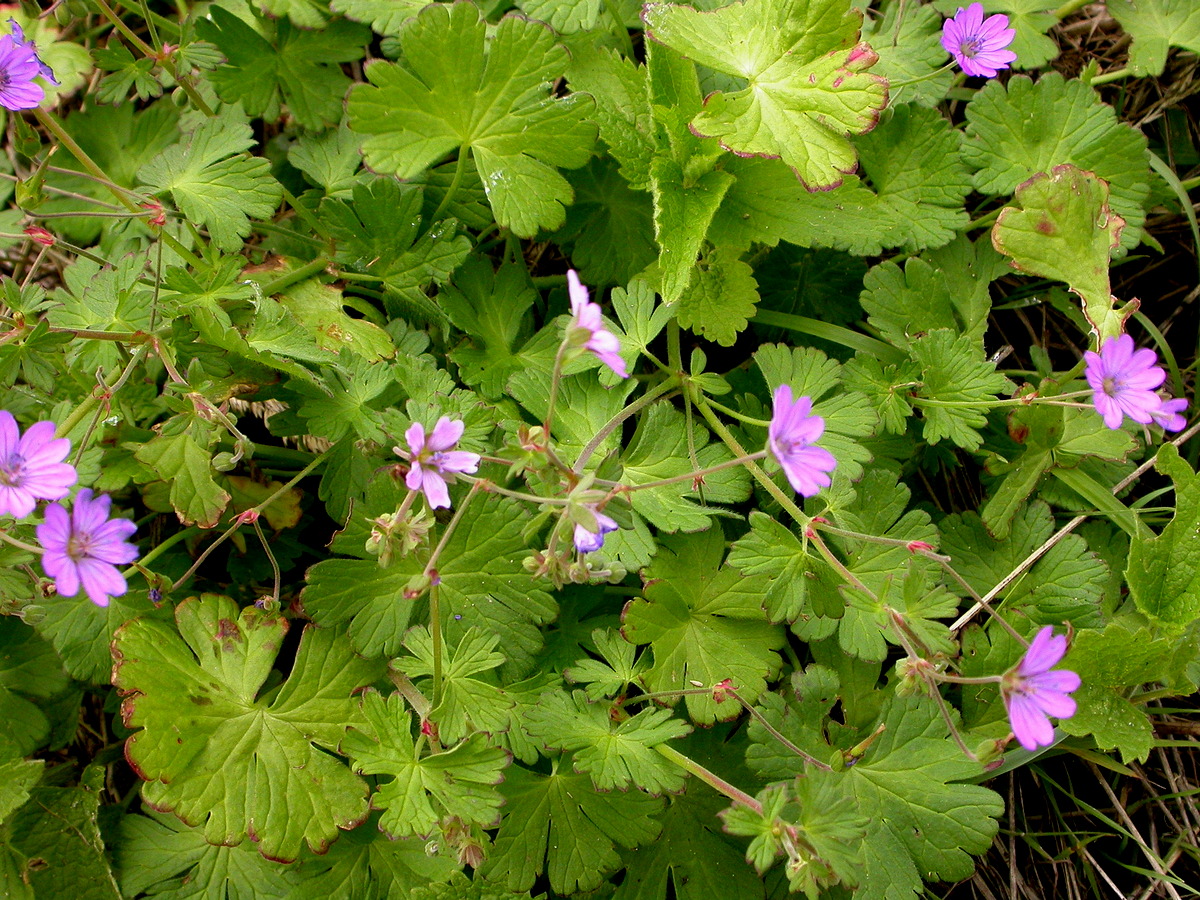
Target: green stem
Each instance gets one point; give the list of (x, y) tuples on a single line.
[(130, 36), (619, 28), (885, 353), (774, 732), (1109, 77), (306, 271), (490, 487), (718, 427), (741, 417), (555, 378), (302, 212), (698, 473), (237, 523), (1069, 7), (714, 781), (100, 392), (435, 605), (55, 127), (163, 546), (632, 409), (435, 632), (460, 168), (30, 548)]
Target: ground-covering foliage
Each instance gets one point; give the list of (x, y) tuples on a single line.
[(585, 448)]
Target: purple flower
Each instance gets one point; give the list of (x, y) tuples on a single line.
[(31, 466), (434, 459), (590, 541), (84, 547), (977, 44), (19, 65), (1123, 380), (791, 436), (1168, 415), (1032, 693), (587, 328)]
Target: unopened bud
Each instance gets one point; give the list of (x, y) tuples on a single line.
[(40, 235)]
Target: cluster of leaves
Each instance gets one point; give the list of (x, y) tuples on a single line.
[(320, 223)]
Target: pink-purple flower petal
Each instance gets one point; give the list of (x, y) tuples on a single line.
[(790, 438), (83, 548), (1123, 380)]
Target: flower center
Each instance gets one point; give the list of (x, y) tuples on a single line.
[(10, 472), (79, 546), (1112, 386), (971, 47)]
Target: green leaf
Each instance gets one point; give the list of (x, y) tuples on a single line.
[(372, 599), (886, 387), (81, 632), (127, 73), (290, 67), (691, 855), (659, 450), (492, 311), (215, 752), (623, 111), (30, 674), (704, 623), (617, 754), (1018, 129), (1156, 25), (906, 840), (1112, 664), (904, 303), (378, 232), (832, 826), (17, 778), (357, 390), (1050, 437), (457, 782), (720, 300), (956, 381), (467, 704), (57, 834), (559, 824), (368, 865), (183, 459), (807, 86), (301, 13), (800, 713), (483, 581), (493, 100), (610, 227), (1164, 572), (912, 162), (1066, 584), (908, 41), (904, 584), (564, 16), (642, 320), (1064, 230), (329, 159), (108, 298), (796, 578), (848, 415), (319, 310), (611, 675), (159, 854), (386, 17), (213, 183)]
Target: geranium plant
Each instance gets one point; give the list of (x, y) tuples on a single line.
[(576, 449)]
